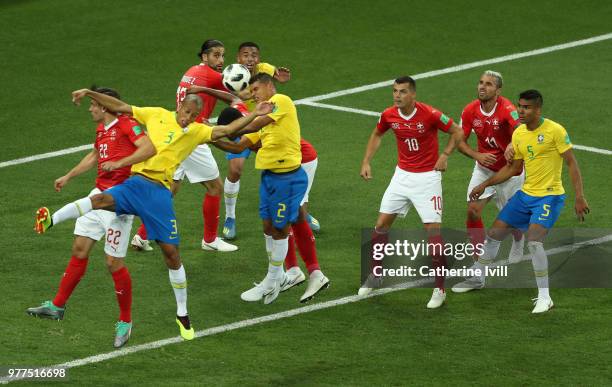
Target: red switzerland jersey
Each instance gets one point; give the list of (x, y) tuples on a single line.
[(493, 130), (242, 108), (113, 144), (201, 75), (309, 153), (416, 134)]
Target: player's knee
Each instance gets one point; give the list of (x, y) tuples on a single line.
[(102, 201), (473, 212), (113, 264), (79, 251), (214, 187), (234, 173)]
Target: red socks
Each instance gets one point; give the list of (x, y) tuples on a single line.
[(291, 258), (210, 213), (74, 272), (123, 290), (306, 245), (476, 231), (142, 232), (437, 258)]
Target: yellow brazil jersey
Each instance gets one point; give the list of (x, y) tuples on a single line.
[(541, 150), (172, 142), (280, 141), (260, 68)]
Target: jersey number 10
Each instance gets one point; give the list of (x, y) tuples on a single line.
[(413, 144)]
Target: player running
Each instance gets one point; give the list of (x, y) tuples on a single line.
[(418, 179), (120, 142), (493, 119), (200, 166), (540, 145), (147, 192)]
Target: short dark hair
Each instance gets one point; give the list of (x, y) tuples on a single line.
[(209, 45), (248, 44), (228, 115), (261, 77), (407, 79), (532, 95), (106, 91)]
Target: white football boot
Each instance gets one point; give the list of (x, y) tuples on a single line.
[(218, 245), (316, 282), (437, 298)]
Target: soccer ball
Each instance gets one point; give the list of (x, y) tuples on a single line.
[(236, 77)]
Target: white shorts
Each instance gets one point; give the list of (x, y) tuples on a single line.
[(310, 168), (101, 223), (422, 190), (502, 192), (199, 166)]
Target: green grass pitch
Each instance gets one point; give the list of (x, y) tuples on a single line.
[(142, 48)]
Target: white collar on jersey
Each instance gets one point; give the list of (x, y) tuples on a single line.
[(489, 114), (408, 116), (113, 122)]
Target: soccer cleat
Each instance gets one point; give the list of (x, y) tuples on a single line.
[(473, 283), (218, 245), (542, 304), (43, 220), (313, 223), (141, 244), (370, 284), (187, 332), (229, 228), (254, 294), (294, 277), (437, 298), (47, 310), (271, 292), (317, 282), (516, 251), (123, 330)]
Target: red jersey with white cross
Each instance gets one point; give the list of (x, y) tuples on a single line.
[(416, 134), (493, 130), (113, 143), (201, 75)]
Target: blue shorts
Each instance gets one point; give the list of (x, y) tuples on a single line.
[(523, 210), (280, 195), (242, 155), (152, 203)]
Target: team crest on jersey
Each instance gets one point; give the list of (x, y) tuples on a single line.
[(476, 123), (540, 138), (420, 127), (395, 125)]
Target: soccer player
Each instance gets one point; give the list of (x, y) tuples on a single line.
[(417, 180), (493, 118), (147, 192), (249, 56), (300, 234), (283, 186), (540, 145), (200, 166), (120, 142)]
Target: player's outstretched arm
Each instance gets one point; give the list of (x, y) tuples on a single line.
[(144, 150), (485, 159), (233, 147), (371, 148), (233, 128), (224, 96), (581, 206), (88, 162), (111, 103), (456, 135), (502, 175)]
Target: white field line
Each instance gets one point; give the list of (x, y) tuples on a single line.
[(289, 313), (375, 114), (466, 66), (429, 74)]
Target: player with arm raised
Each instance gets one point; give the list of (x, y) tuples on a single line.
[(200, 166), (493, 119), (283, 186), (147, 192), (540, 146), (120, 141), (418, 176)]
